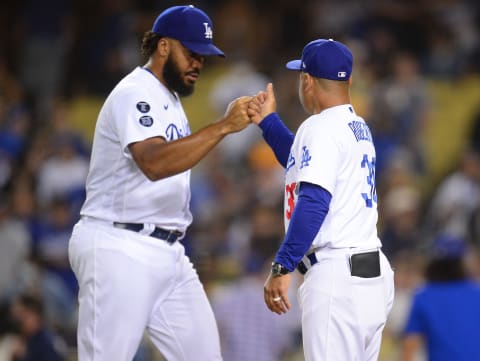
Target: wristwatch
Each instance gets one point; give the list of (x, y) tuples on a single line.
[(278, 270)]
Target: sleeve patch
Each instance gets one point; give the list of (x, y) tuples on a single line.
[(146, 121), (143, 107)]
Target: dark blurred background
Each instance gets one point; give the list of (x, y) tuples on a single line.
[(416, 81)]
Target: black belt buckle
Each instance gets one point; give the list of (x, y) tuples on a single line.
[(365, 265), (168, 236)]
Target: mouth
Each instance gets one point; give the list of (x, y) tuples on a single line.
[(192, 76)]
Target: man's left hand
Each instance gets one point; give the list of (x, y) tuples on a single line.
[(275, 293)]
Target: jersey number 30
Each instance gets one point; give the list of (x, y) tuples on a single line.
[(371, 196)]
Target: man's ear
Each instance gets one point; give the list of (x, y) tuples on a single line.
[(308, 82), (163, 47)]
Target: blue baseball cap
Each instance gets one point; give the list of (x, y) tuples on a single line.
[(189, 25), (327, 59), (446, 246)]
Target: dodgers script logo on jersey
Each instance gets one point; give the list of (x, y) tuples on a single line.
[(290, 162), (173, 132)]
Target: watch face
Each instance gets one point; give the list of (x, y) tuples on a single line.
[(278, 269)]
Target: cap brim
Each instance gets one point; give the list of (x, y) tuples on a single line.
[(203, 49), (294, 65)]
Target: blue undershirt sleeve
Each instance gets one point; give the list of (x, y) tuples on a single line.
[(308, 215), (277, 136)]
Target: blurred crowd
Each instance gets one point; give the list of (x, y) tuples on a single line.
[(60, 58)]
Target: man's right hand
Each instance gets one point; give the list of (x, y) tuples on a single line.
[(236, 117), (262, 104)]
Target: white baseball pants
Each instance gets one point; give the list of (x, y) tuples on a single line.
[(130, 283), (343, 316)]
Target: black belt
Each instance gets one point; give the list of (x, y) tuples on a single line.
[(364, 265), (160, 233)]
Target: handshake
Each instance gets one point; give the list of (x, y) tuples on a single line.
[(249, 109)]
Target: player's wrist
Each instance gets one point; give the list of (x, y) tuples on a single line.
[(278, 270), (223, 127), (268, 121)]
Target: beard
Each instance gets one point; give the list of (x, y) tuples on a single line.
[(174, 80)]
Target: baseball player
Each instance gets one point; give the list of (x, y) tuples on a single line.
[(132, 271), (330, 212)]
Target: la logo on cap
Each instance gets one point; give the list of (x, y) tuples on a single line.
[(208, 31)]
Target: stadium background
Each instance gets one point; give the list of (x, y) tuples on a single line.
[(416, 81)]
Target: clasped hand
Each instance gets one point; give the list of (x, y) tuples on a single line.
[(250, 109), (262, 104)]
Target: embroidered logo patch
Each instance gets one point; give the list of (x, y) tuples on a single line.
[(146, 121), (143, 107), (306, 158)]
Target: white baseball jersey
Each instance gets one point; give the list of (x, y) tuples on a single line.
[(139, 107), (342, 315), (131, 282), (334, 150)]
